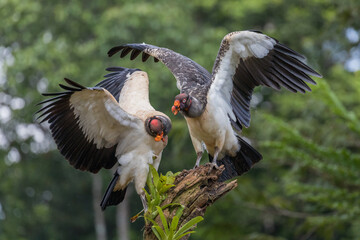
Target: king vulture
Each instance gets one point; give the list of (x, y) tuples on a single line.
[(217, 105), (113, 122)]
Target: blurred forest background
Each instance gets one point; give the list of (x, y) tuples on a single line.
[(306, 187)]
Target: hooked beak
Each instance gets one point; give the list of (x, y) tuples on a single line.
[(160, 137), (176, 107)]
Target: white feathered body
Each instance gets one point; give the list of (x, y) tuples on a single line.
[(135, 155), (136, 149), (213, 128)]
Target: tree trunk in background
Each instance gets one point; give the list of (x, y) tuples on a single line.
[(123, 218), (99, 218)]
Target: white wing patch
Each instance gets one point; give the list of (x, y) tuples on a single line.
[(220, 90), (178, 85), (125, 119), (250, 44), (240, 45), (100, 117), (134, 96)]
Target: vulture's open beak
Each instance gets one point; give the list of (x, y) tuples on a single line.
[(160, 137), (176, 107)]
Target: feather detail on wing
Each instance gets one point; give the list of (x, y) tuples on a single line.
[(115, 80), (190, 76), (134, 87), (247, 59), (87, 124)]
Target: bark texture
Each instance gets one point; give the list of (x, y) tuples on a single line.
[(196, 189)]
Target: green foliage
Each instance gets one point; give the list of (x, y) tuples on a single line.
[(331, 184), (329, 97), (306, 187), (170, 232), (158, 186)]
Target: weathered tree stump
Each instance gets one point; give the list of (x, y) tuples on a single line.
[(196, 189)]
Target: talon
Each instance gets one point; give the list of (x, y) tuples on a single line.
[(214, 165), (134, 218)]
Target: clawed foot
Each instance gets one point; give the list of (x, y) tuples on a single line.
[(143, 201), (145, 207), (213, 166), (134, 218)]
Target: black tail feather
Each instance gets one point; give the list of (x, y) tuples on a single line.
[(113, 197), (241, 163)]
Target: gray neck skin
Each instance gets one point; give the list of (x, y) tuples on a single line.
[(195, 110)]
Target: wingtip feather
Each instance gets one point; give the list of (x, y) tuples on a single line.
[(75, 84), (114, 50)]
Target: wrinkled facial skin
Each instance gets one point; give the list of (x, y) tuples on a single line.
[(182, 103), (159, 127), (156, 127)]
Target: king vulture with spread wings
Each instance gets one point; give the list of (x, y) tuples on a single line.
[(217, 105), (111, 123)]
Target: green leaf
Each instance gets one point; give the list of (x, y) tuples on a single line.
[(151, 220), (174, 224), (165, 188), (171, 235), (159, 233), (187, 226), (163, 220), (155, 175), (149, 182), (147, 195), (179, 211), (184, 234), (170, 177)]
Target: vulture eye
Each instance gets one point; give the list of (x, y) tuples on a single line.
[(184, 100)]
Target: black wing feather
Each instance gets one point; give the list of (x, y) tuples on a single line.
[(115, 80), (193, 78), (112, 197), (69, 138), (82, 153), (281, 67)]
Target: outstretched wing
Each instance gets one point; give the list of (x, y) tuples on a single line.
[(190, 76), (115, 80), (87, 124), (247, 59)]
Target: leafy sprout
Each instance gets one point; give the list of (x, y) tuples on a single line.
[(158, 187)]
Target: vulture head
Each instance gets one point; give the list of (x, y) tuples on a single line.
[(182, 103), (158, 126)]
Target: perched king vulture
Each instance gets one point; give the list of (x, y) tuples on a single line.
[(217, 105), (112, 122)]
